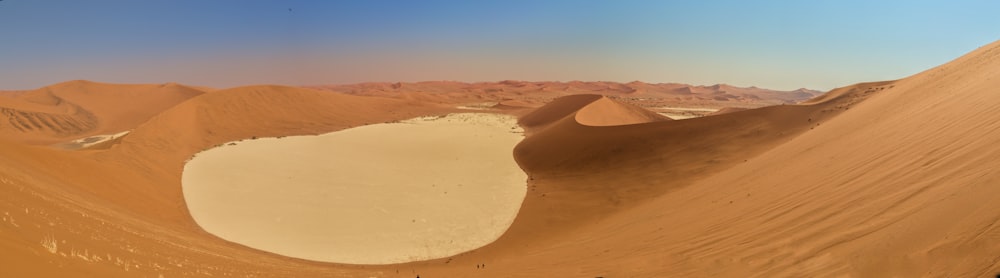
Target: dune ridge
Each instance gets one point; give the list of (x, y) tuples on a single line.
[(607, 112)]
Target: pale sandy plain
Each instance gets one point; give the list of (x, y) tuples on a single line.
[(412, 190), (879, 179), (91, 141), (680, 113)]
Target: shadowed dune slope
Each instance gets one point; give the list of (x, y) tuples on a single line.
[(580, 173), (556, 110), (593, 110), (567, 139)]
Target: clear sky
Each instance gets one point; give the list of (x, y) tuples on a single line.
[(773, 44)]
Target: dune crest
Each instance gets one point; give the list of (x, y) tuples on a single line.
[(607, 112)]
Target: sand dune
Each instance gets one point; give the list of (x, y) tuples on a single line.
[(896, 186), (879, 179), (607, 112), (76, 109), (637, 93), (103, 100)]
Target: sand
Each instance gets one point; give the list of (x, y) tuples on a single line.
[(419, 189), (478, 106), (681, 113), (678, 116), (694, 109), (90, 141)]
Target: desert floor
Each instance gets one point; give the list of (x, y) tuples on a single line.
[(412, 190)]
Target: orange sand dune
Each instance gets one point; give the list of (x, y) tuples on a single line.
[(898, 185), (873, 180), (78, 109), (607, 112), (12, 93), (636, 92), (517, 104), (102, 100)]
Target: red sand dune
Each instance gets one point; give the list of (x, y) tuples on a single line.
[(639, 93), (77, 109), (876, 179)]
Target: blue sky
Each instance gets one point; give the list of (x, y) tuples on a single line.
[(223, 43)]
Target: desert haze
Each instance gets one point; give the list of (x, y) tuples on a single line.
[(508, 179)]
